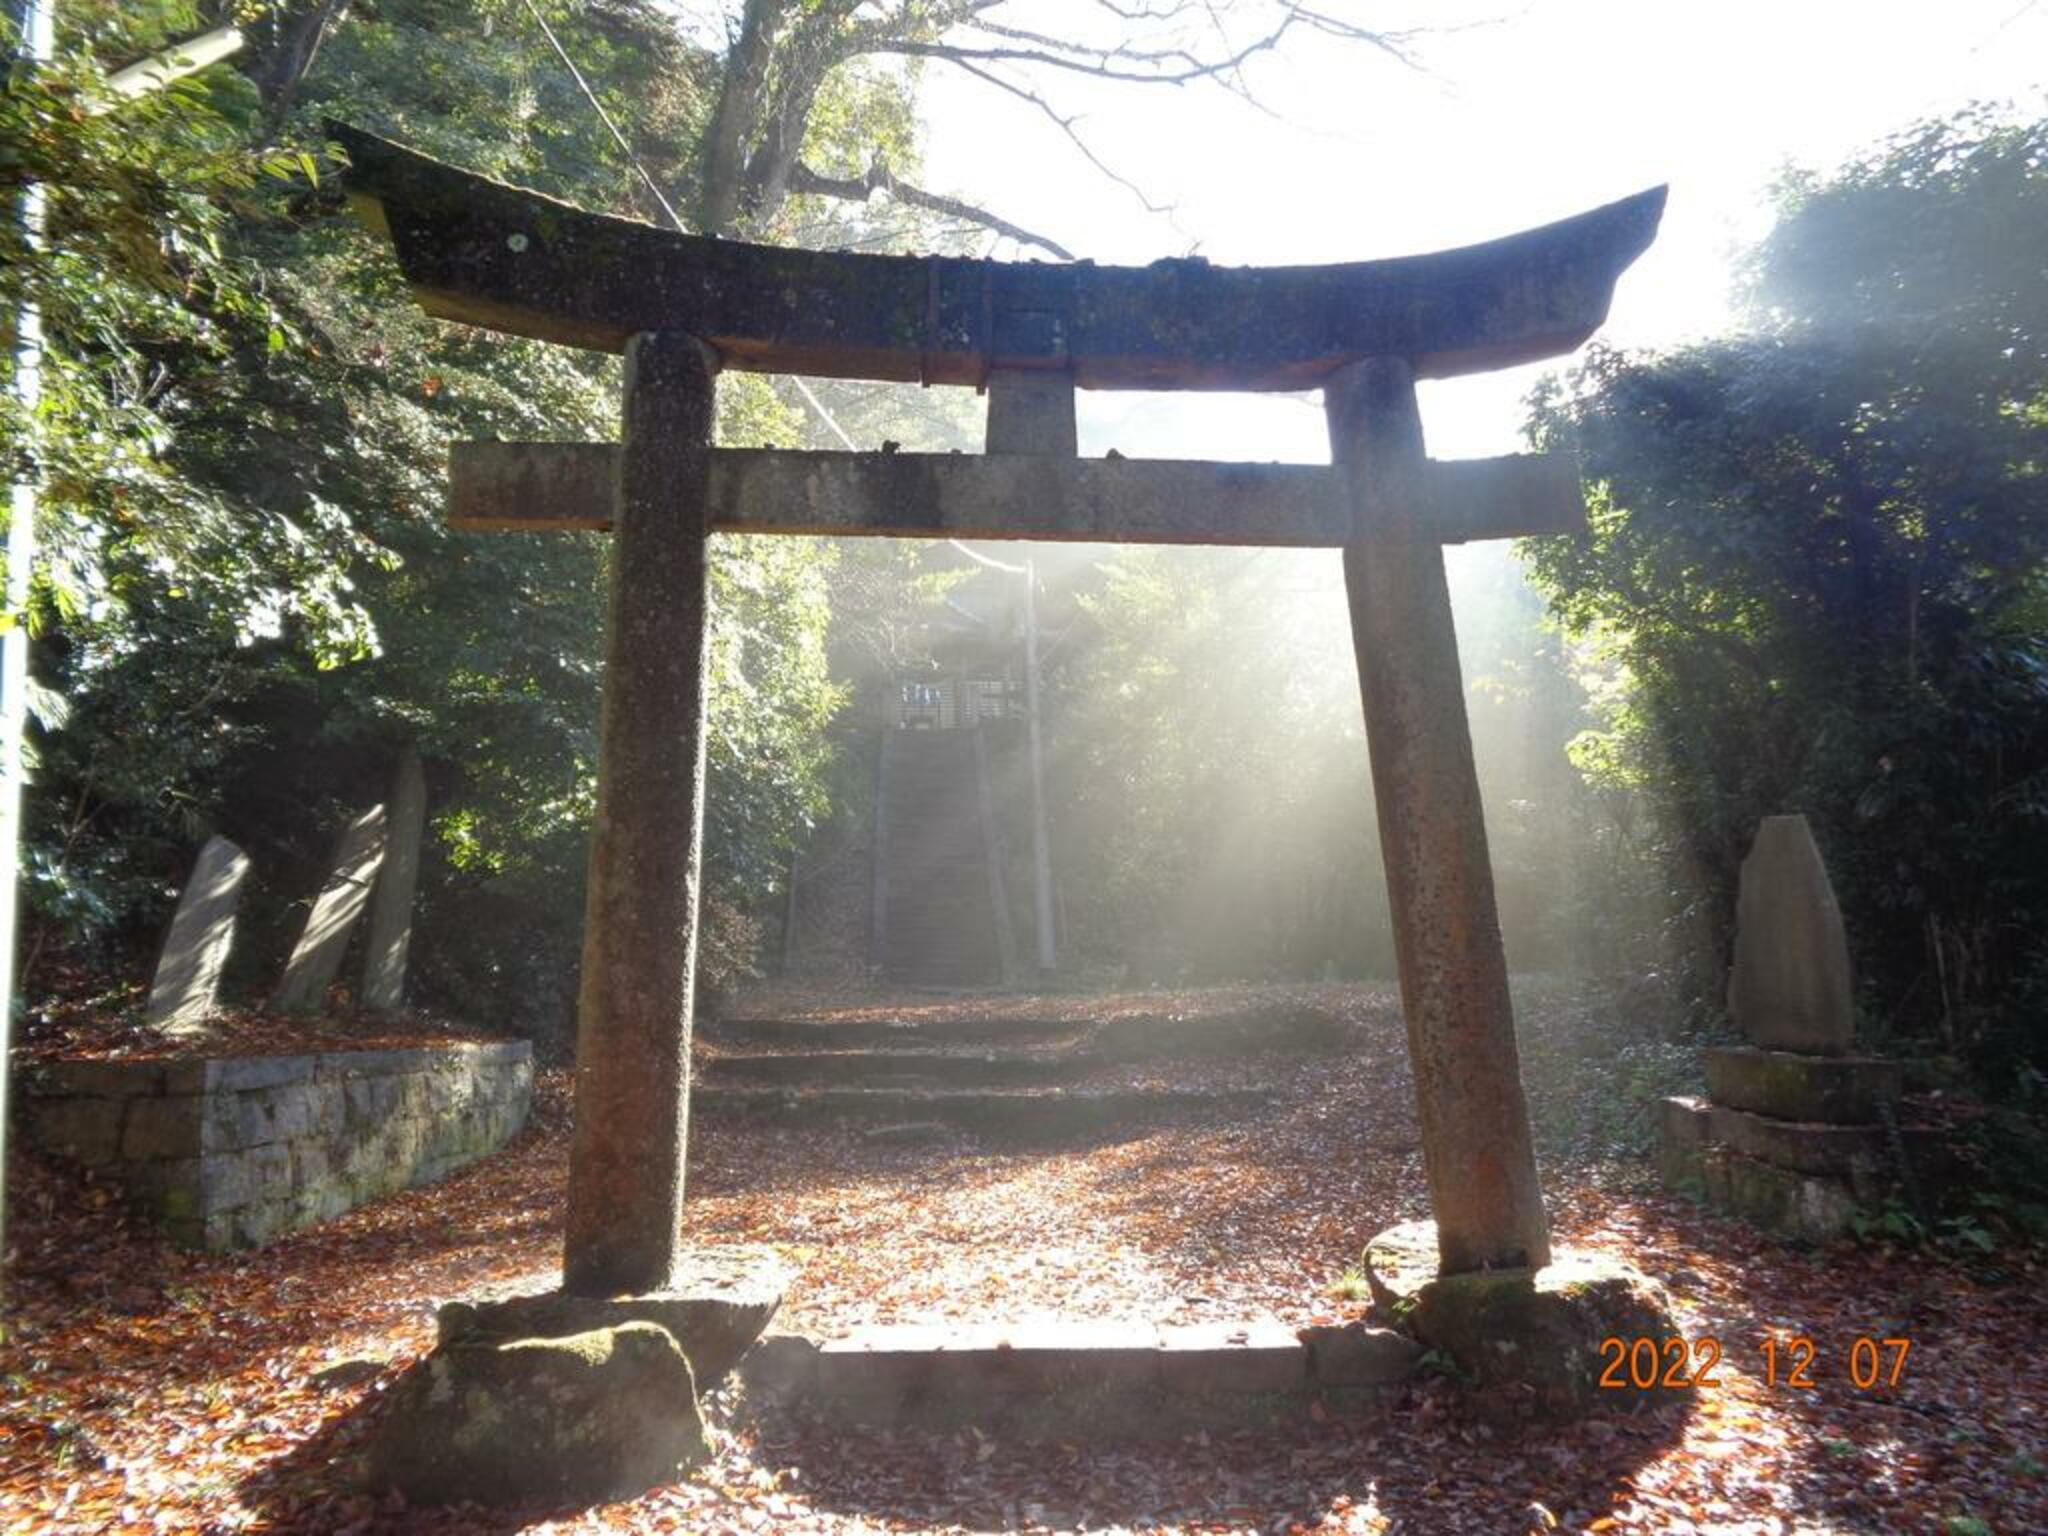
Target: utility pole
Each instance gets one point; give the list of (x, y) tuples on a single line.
[(37, 23), (1041, 841)]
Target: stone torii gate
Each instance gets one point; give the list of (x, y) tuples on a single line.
[(683, 307)]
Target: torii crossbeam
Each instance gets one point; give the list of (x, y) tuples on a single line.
[(683, 307)]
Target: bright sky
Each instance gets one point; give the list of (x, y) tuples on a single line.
[(1557, 107)]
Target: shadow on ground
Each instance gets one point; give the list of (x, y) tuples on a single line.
[(319, 1485), (1425, 1466)]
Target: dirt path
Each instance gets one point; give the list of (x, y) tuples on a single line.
[(145, 1390)]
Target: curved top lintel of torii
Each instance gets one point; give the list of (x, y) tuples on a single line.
[(481, 252)]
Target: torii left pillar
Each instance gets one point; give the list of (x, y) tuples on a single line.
[(633, 1014)]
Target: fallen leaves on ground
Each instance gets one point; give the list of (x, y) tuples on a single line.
[(151, 1390), (94, 1034)]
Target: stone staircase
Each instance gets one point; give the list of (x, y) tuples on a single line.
[(1022, 1073), (1015, 1076), (938, 923)]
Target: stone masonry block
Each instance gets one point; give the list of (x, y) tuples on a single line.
[(238, 1074), (1810, 1207), (1802, 1146), (450, 1090), (88, 1130), (1837, 1090), (1353, 1355), (170, 1186), (259, 1115), (97, 1079), (251, 1176), (1223, 1357), (1684, 1126), (162, 1128), (370, 1101), (415, 1094), (312, 1165), (251, 1226), (231, 1153)]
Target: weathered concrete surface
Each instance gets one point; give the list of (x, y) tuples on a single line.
[(232, 1152), (201, 934), (594, 1416), (1810, 1207), (1354, 1355), (358, 854), (1684, 1132), (1477, 1150), (1530, 1343), (1011, 496), (1398, 1263), (1837, 1090), (721, 1302), (625, 1202), (1057, 1378), (1789, 989), (389, 940), (1031, 411), (1848, 1151), (487, 254)]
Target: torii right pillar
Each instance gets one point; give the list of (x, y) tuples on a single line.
[(1476, 1147)]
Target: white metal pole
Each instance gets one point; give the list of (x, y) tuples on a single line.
[(1041, 843)]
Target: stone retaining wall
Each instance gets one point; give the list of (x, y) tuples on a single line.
[(232, 1152)]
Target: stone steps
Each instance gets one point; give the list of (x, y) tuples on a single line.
[(895, 1068), (986, 1111), (1125, 1037), (1056, 1378), (940, 926), (813, 1034)]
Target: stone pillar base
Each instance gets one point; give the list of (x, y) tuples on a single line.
[(718, 1303)]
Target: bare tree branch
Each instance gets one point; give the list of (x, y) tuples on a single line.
[(1172, 12), (879, 178), (1190, 68), (784, 49), (1065, 124)]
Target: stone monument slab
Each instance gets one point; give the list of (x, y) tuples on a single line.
[(324, 939), (1789, 989), (202, 931), (390, 936)]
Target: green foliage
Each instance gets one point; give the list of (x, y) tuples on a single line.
[(253, 602), (1817, 571), (138, 265), (1351, 1286)]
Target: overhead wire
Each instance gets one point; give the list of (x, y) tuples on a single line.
[(675, 221), (810, 397), (603, 116)]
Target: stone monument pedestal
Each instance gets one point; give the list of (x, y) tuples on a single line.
[(1797, 1133)]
